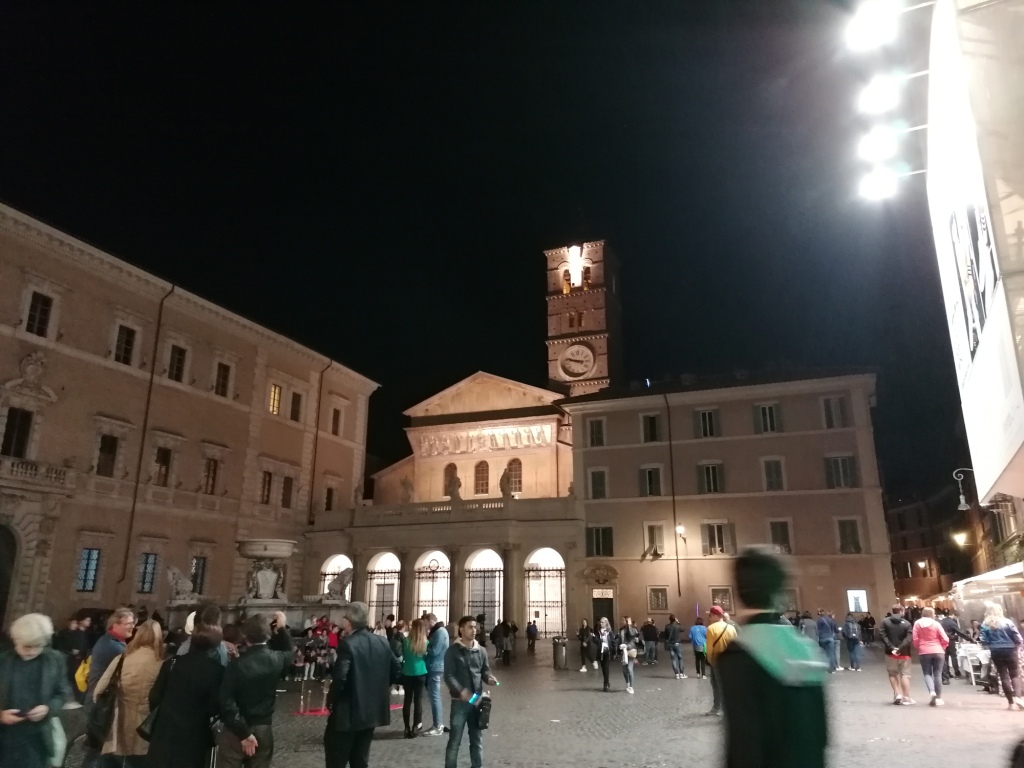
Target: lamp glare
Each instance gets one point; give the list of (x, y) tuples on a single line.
[(878, 184), (880, 95), (873, 25)]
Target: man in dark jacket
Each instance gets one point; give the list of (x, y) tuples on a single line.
[(360, 698), (827, 639), (465, 672), (674, 641), (649, 632), (955, 635), (773, 679), (897, 637), (249, 692), (437, 646), (105, 652)]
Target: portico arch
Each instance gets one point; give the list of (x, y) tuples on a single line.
[(433, 584), (545, 591), (485, 578), (333, 567), (383, 579)]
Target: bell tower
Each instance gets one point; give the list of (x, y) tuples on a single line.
[(584, 318)]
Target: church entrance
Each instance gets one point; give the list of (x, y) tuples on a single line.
[(8, 553)]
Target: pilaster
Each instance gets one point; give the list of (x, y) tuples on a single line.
[(407, 586), (457, 588)]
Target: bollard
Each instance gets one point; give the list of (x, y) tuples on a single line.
[(560, 652)]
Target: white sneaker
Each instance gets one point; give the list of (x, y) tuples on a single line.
[(595, 665), (682, 676), (583, 668), (839, 669), (629, 689)]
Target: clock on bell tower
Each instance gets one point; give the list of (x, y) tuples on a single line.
[(583, 318)]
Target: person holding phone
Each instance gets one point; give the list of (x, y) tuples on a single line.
[(466, 670)]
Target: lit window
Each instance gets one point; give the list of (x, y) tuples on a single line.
[(88, 569), (266, 484), (147, 572), (274, 403), (40, 309)]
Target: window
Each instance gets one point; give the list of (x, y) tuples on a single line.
[(835, 412), (16, 433), (774, 478), (124, 347), (328, 499), (598, 483), (572, 319), (88, 570), (210, 468), (566, 281), (599, 542), (481, 478), (586, 278), (779, 531), (40, 309), (766, 419), (722, 596), (710, 478), (657, 599), (336, 421), (296, 414), (654, 539), (266, 484), (176, 363), (106, 461), (147, 572), (595, 433), (840, 472), (706, 424), (717, 539), (162, 467), (515, 475), (286, 492), (451, 479), (274, 403), (849, 536), (649, 428), (650, 481), (222, 380), (198, 573)]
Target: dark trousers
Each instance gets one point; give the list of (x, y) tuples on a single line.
[(700, 660), (605, 664), (230, 754), (413, 704), (1008, 667), (347, 748), (952, 662)]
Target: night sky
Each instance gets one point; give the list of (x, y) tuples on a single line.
[(380, 186)]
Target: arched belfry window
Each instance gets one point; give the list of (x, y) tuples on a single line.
[(481, 479), (451, 476), (515, 475), (586, 278), (566, 281)]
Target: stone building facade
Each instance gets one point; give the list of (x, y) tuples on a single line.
[(146, 429)]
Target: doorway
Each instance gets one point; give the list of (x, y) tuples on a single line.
[(603, 606), (8, 552)]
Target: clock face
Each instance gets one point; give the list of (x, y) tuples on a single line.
[(577, 360)]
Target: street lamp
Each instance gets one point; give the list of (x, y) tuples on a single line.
[(960, 538), (681, 530), (958, 475), (922, 564), (881, 94), (878, 145), (873, 25), (879, 183)]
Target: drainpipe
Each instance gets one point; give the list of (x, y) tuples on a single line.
[(672, 490), (316, 443), (142, 437)]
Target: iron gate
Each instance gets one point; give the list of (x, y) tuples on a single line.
[(326, 577), (484, 593), (545, 600), (382, 593), (433, 585)]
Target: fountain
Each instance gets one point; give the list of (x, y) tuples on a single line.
[(265, 587)]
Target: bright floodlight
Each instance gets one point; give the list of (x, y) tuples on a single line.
[(873, 24), (960, 538), (878, 184), (880, 95), (879, 144)]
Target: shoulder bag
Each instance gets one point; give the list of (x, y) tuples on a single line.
[(101, 717), (145, 729)]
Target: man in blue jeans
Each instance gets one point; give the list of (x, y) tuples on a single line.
[(827, 639), (674, 641), (437, 647), (465, 672)]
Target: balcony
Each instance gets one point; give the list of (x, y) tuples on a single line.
[(35, 474), (485, 510)]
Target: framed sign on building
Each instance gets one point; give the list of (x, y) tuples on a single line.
[(722, 596)]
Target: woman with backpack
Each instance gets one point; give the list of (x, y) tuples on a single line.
[(851, 634)]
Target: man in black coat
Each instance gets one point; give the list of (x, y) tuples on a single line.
[(360, 698)]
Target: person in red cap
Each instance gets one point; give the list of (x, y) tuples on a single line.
[(720, 634)]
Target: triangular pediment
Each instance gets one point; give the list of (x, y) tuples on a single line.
[(480, 393)]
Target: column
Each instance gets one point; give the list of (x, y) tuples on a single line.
[(457, 588), (359, 594), (508, 598), (407, 608)]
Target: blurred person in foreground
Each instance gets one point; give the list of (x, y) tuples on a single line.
[(773, 679)]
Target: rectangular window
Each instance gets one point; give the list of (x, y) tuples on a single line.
[(599, 542), (722, 596), (711, 478), (124, 348), (222, 382), (328, 500), (840, 472), (176, 363), (147, 572), (779, 530), (88, 570), (106, 461), (17, 431), (849, 537), (162, 467), (766, 419), (336, 422), (296, 414), (598, 484), (657, 599), (773, 476), (595, 433), (717, 539), (650, 481), (40, 309), (286, 492), (266, 484), (654, 535), (835, 412), (707, 424), (198, 573), (210, 469), (649, 428), (274, 402)]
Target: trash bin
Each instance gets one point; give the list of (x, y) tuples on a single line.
[(560, 652)]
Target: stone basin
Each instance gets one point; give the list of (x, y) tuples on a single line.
[(266, 549)]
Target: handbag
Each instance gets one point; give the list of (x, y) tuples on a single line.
[(101, 717), (82, 675), (632, 653), (145, 729)]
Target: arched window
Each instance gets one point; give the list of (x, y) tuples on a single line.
[(481, 479), (515, 475), (451, 476), (586, 278), (566, 281), (572, 319)]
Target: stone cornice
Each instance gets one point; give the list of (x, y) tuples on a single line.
[(576, 292), (576, 337)]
